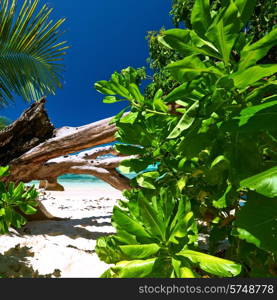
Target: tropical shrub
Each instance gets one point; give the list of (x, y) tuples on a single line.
[(261, 22), (156, 237), (15, 198), (213, 140)]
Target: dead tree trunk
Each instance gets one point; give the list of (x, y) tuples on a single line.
[(34, 150)]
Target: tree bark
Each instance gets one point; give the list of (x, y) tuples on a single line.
[(34, 150), (29, 130)]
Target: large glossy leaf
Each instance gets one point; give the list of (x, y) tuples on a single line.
[(124, 221), (200, 16), (224, 29), (187, 90), (187, 42), (133, 268), (182, 227), (190, 68), (140, 251), (108, 251), (151, 217), (212, 264), (257, 221), (182, 271), (252, 53), (247, 77), (264, 183), (185, 122)]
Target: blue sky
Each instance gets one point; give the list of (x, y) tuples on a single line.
[(105, 36)]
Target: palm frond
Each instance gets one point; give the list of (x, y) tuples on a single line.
[(4, 122), (29, 51)]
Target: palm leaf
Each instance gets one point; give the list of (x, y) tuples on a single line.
[(29, 51)]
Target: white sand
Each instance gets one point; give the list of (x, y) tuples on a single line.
[(68, 245)]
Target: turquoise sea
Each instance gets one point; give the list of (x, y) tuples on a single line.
[(83, 179)]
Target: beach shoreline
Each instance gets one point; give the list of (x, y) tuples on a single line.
[(68, 245)]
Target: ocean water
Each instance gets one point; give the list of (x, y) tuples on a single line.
[(83, 179)]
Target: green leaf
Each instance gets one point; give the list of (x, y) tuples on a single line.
[(245, 78), (150, 216), (30, 51), (185, 122), (181, 229), (187, 42), (212, 264), (147, 179), (222, 201), (2, 212), (135, 92), (186, 90), (190, 68), (130, 118), (181, 183), (111, 99), (125, 222), (257, 222), (224, 30), (116, 118), (4, 171), (27, 209), (133, 165), (254, 118), (264, 183), (134, 268), (250, 54), (159, 105), (181, 270), (129, 149), (220, 162), (107, 250), (246, 8), (103, 87), (200, 16), (17, 220), (140, 251), (158, 94)]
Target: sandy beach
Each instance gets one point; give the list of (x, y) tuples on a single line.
[(68, 245)]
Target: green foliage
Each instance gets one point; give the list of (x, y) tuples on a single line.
[(14, 199), (29, 51), (154, 234), (212, 138), (4, 122), (260, 22)]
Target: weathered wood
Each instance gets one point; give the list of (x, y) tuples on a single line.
[(29, 130), (34, 150), (68, 140)]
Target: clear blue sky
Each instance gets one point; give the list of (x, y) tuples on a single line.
[(105, 36)]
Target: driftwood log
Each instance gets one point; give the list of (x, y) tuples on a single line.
[(35, 150)]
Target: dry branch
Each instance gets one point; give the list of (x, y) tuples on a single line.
[(34, 150)]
